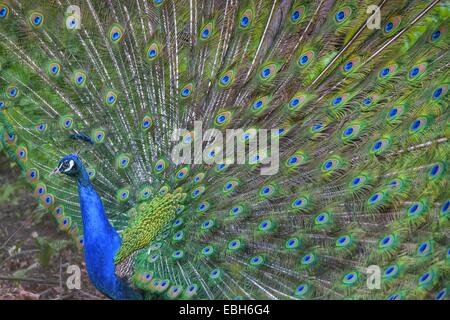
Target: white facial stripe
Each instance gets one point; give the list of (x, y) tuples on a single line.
[(71, 164)]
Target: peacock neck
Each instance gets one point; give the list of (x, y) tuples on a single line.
[(101, 242), (83, 178), (95, 221)]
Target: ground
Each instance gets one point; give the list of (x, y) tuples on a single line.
[(34, 255)]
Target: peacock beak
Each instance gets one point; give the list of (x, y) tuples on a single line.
[(54, 172)]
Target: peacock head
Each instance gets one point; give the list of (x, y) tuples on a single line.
[(69, 165)]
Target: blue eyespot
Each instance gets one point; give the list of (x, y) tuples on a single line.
[(293, 160), (425, 277), (192, 288), (337, 100), (441, 294), (393, 112), (386, 240), (384, 72), (415, 125), (295, 15), (265, 73), (377, 145), (215, 272), (205, 33), (414, 72), (445, 206), (294, 102), (348, 66), (436, 35), (423, 247), (301, 289), (340, 16), (225, 79), (13, 92), (367, 101), (185, 92), (245, 21), (435, 170), (258, 104), (389, 27), (437, 93), (115, 35), (146, 124), (413, 208), (304, 59), (37, 20), (348, 131), (256, 259)]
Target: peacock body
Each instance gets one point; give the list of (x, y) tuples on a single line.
[(97, 88)]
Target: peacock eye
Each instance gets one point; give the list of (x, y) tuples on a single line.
[(66, 166)]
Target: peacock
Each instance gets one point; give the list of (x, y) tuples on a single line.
[(98, 96)]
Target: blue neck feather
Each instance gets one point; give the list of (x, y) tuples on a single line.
[(101, 243)]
